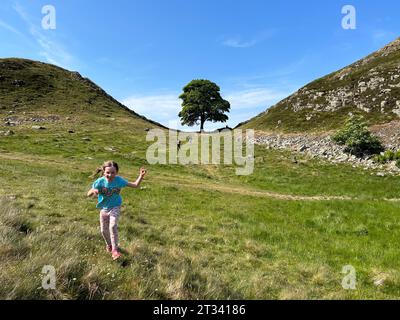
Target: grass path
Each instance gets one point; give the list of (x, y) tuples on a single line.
[(197, 232), (173, 180)]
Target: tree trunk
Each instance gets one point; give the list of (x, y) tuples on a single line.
[(202, 124)]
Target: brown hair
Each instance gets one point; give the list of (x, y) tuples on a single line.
[(103, 167)]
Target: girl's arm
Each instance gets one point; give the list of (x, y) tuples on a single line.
[(138, 180), (92, 192)]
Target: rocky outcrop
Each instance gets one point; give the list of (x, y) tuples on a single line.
[(322, 147), (370, 87), (18, 120), (373, 91)]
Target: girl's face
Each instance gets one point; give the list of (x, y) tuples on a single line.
[(110, 173)]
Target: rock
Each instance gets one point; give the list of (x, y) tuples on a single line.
[(43, 119), (380, 174), (392, 166), (324, 152), (9, 133), (111, 149), (383, 104), (303, 148), (38, 128), (396, 111), (18, 83), (86, 139), (379, 282)]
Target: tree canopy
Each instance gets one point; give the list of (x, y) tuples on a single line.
[(202, 102)]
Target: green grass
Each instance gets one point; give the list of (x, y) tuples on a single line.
[(192, 232), (320, 122)]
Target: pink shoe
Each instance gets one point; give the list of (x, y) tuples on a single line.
[(115, 254), (108, 248)]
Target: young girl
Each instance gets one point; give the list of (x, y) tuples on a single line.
[(108, 189)]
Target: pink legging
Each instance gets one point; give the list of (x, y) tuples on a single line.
[(109, 226)]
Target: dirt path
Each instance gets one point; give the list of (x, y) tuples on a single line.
[(251, 192)]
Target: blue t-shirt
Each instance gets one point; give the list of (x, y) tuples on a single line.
[(109, 192)]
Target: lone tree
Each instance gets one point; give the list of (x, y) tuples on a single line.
[(202, 102)]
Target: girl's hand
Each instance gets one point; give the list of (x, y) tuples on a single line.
[(93, 192), (142, 172)]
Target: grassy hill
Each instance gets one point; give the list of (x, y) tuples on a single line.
[(32, 88), (190, 232), (369, 87)]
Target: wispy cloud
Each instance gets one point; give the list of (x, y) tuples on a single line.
[(165, 107), (238, 41), (10, 28), (254, 98), (51, 50), (159, 106), (279, 80)]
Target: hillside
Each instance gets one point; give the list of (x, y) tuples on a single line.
[(32, 91), (189, 231), (369, 87)]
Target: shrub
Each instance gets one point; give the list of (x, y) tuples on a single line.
[(389, 155), (379, 158), (357, 139)]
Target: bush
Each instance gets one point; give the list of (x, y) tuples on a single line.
[(357, 139), (389, 155), (379, 158)]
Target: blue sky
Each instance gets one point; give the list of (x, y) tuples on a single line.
[(144, 52)]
